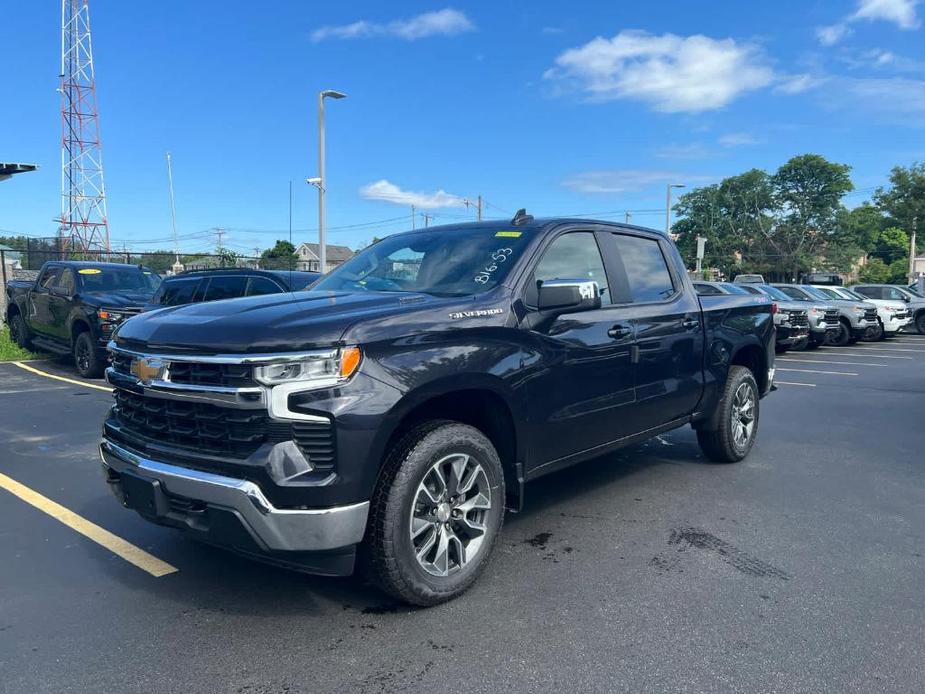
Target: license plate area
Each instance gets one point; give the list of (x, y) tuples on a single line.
[(144, 495)]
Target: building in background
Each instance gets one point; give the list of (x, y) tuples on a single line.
[(309, 257)]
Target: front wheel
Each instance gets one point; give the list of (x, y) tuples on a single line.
[(86, 358), (436, 513), (735, 425), (876, 333), (843, 337), (920, 323), (19, 332)]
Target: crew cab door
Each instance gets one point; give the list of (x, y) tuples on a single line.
[(580, 399), (668, 325), (60, 299), (39, 301)]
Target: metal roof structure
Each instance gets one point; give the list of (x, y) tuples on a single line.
[(7, 169)]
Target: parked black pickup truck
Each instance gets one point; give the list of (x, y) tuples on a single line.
[(404, 401), (73, 308)]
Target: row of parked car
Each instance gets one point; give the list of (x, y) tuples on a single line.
[(808, 316), (73, 307)]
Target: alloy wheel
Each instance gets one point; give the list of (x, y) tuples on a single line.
[(743, 415), (448, 514), (82, 357)]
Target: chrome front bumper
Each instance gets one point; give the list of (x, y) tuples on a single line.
[(273, 529)]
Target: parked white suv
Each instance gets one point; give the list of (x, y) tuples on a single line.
[(893, 315), (915, 302)]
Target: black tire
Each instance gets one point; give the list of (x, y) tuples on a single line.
[(844, 335), (389, 556), (800, 345), (718, 441), (86, 359), (780, 349), (19, 332), (920, 323), (876, 334)]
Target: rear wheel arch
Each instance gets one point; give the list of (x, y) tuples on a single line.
[(753, 358)]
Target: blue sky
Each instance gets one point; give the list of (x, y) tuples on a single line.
[(587, 107)]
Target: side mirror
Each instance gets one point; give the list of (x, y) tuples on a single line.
[(56, 291), (568, 296)]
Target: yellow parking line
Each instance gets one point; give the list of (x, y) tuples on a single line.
[(116, 545), (32, 369)]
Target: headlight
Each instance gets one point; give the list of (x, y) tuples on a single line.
[(321, 368), (111, 316), (859, 311)]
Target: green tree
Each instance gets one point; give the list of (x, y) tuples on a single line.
[(159, 261), (904, 200), (892, 245), (875, 272), (281, 257), (226, 257)]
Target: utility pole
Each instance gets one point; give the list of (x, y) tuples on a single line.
[(912, 250), (477, 205), (627, 217), (173, 211), (427, 218), (220, 234), (668, 205), (413, 215), (256, 257)]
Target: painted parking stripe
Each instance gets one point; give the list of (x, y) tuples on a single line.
[(73, 381), (793, 383), (813, 371), (886, 349), (116, 545), (829, 361), (860, 356)]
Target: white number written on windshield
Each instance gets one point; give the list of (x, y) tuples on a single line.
[(498, 258)]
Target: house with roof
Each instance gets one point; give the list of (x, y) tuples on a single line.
[(309, 256)]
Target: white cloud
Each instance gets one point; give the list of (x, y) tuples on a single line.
[(694, 150), (900, 12), (898, 99), (797, 84), (670, 73), (622, 181), (739, 140), (389, 192), (446, 22), (832, 34)]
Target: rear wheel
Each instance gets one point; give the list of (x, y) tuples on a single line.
[(19, 333), (435, 514), (736, 422), (86, 359), (876, 333)]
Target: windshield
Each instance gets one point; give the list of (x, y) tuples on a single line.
[(127, 279), (774, 292), (795, 294), (910, 292), (441, 263), (826, 293), (848, 294)]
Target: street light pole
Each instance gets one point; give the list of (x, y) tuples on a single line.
[(322, 183), (668, 205)]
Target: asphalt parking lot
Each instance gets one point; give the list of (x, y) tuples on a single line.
[(799, 569)]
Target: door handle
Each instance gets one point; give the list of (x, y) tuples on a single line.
[(690, 323), (618, 331)]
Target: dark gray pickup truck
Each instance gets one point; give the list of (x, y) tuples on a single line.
[(391, 413)]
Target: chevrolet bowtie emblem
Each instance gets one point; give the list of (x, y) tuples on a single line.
[(146, 369)]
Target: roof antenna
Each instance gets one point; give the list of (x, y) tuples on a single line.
[(521, 217)]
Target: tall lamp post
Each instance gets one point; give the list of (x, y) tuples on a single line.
[(320, 182), (668, 205)]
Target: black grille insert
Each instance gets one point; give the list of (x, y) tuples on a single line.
[(195, 373), (196, 426)]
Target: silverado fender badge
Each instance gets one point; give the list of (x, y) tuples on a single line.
[(480, 313)]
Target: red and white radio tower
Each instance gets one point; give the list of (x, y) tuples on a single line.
[(84, 226)]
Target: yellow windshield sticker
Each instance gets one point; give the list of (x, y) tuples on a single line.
[(508, 234), (90, 271)]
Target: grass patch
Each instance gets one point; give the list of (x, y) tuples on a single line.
[(9, 350)]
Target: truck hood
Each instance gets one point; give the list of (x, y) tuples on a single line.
[(116, 299), (270, 323)]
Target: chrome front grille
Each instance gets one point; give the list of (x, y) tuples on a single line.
[(798, 319), (194, 373), (870, 314), (831, 318)]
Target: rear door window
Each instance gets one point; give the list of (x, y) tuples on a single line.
[(870, 292), (178, 292), (229, 287), (261, 285), (646, 268)]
